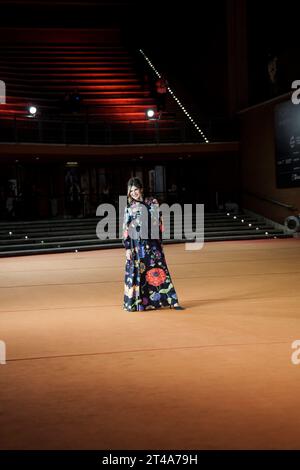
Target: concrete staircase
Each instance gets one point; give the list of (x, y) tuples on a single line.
[(69, 235)]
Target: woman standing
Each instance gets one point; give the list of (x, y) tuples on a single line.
[(148, 284)]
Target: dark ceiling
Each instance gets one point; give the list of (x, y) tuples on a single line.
[(66, 13)]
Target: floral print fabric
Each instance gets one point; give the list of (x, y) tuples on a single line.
[(148, 284)]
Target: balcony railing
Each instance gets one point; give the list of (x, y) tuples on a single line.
[(86, 130)]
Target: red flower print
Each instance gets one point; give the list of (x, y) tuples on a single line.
[(156, 276)]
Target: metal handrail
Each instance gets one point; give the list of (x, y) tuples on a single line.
[(95, 129), (89, 130), (272, 201)]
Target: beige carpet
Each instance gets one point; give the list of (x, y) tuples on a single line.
[(83, 374)]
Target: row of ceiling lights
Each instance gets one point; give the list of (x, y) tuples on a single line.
[(176, 99)]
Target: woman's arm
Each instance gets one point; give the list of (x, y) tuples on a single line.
[(125, 237), (161, 226)]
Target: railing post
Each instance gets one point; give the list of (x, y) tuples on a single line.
[(64, 134), (15, 128), (40, 129), (183, 132), (130, 133), (156, 131), (87, 129), (210, 129), (108, 133)]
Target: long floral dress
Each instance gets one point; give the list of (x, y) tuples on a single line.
[(148, 284)]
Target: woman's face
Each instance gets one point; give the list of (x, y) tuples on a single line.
[(135, 192)]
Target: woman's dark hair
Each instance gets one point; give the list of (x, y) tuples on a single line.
[(135, 181)]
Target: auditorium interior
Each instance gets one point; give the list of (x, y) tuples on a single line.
[(77, 82)]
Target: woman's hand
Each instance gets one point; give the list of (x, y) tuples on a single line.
[(128, 255)]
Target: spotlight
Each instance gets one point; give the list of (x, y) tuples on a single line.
[(292, 223), (150, 113), (32, 110)]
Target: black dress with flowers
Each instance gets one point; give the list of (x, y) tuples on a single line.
[(148, 284)]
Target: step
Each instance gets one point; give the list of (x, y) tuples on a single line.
[(80, 87), (62, 75), (25, 251), (116, 101), (58, 237), (54, 47), (27, 56), (75, 82), (79, 225), (50, 69), (63, 54)]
